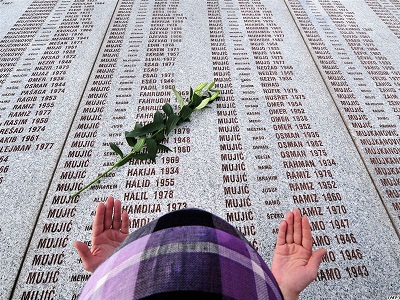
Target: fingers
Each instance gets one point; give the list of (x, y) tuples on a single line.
[(116, 220), (290, 228), (297, 227), (85, 254), (306, 232), (98, 223), (315, 260), (108, 216), (281, 239), (297, 230), (125, 223), (109, 213)]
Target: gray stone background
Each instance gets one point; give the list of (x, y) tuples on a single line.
[(308, 118)]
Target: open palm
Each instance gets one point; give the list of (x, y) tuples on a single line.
[(294, 264), (110, 228)]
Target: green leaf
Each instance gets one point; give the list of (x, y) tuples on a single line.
[(152, 127), (129, 139), (208, 100), (139, 144), (200, 87), (151, 145), (167, 108), (179, 98), (185, 112), (195, 101), (153, 133), (163, 147), (215, 95), (158, 118), (203, 104), (149, 128), (171, 123), (116, 150), (190, 93), (131, 134), (159, 136)]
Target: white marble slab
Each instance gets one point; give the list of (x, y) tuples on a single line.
[(276, 139)]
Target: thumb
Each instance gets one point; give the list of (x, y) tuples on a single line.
[(315, 260), (84, 253)]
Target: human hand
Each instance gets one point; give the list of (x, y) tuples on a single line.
[(294, 264), (108, 232)]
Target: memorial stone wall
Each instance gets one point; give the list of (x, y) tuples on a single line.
[(308, 118)]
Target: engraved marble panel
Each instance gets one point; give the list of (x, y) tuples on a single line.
[(353, 44), (279, 137), (52, 47)]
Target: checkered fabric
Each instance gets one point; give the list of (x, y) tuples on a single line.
[(186, 254)]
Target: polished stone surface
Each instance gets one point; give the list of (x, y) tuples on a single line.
[(307, 118)]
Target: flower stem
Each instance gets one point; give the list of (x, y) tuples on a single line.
[(98, 178), (159, 124)]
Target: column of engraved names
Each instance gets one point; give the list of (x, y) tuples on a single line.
[(378, 67), (253, 119), (387, 14), (138, 184), (18, 108), (51, 55), (268, 67), (126, 64), (19, 37), (268, 73), (386, 79), (344, 93), (309, 168), (139, 181), (102, 97), (376, 142), (249, 104), (54, 236), (30, 118), (150, 189), (234, 171)]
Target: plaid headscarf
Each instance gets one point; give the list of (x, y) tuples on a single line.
[(185, 254)]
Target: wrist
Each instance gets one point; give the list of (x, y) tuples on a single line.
[(288, 295)]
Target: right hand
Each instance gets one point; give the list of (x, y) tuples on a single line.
[(294, 264), (110, 228)]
